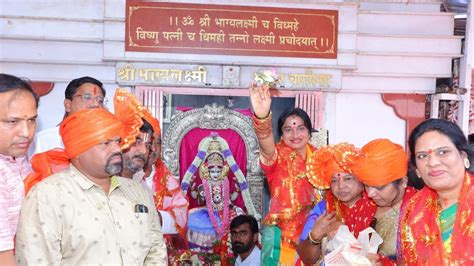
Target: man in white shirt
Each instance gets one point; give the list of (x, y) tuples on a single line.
[(81, 93), (244, 237)]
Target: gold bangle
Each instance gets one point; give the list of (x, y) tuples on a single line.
[(313, 242), (262, 127), (268, 161), (263, 118)]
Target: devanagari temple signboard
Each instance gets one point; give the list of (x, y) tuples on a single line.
[(230, 30), (157, 74)]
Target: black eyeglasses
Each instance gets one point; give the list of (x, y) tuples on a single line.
[(87, 97)]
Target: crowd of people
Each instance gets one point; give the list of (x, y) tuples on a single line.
[(366, 187), (93, 190)]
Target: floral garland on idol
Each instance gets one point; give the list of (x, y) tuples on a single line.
[(241, 180), (225, 187)]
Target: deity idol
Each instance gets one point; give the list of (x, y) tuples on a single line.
[(216, 192)]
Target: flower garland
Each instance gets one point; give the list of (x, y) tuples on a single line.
[(225, 224), (241, 180)]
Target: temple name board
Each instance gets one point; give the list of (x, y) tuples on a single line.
[(222, 76), (230, 30), (132, 74)]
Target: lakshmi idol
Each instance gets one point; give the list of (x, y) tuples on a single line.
[(216, 192), (292, 189)]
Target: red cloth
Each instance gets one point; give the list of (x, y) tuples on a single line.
[(189, 148), (420, 233), (357, 217), (292, 195)]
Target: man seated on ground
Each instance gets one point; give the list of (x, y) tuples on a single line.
[(244, 237)]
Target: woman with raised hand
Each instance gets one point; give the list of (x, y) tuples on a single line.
[(292, 191), (437, 226), (382, 168), (346, 202)]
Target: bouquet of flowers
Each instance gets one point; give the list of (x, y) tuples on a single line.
[(267, 78)]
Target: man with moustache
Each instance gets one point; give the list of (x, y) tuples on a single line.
[(170, 200), (244, 237), (87, 214), (136, 156), (128, 108), (18, 106), (81, 93)]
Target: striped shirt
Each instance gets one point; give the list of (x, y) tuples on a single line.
[(12, 173)]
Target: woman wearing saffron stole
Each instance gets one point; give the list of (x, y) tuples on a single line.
[(382, 168), (437, 226), (292, 190), (345, 202)]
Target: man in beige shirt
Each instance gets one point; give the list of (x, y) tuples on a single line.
[(86, 214)]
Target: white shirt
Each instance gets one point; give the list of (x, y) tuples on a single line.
[(168, 226), (252, 260), (46, 140)]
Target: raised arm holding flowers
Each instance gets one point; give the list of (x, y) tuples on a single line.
[(292, 190)]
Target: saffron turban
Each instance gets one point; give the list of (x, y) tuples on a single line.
[(327, 161), (87, 128), (130, 112), (155, 123), (382, 162)]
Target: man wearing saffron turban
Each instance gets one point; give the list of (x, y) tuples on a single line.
[(86, 214), (128, 109)]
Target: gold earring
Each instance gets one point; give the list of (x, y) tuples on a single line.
[(467, 164), (418, 174)]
